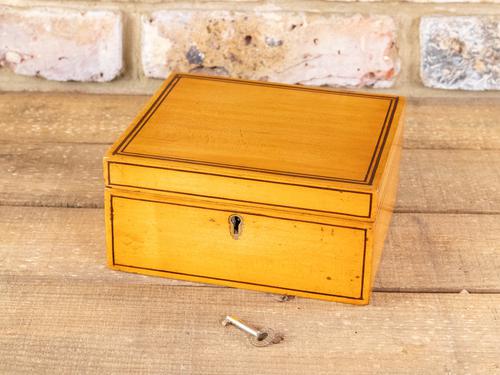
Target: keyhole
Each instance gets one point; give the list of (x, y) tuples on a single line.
[(235, 226)]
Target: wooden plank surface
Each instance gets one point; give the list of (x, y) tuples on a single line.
[(423, 252), (451, 181), (63, 309), (70, 175), (82, 118), (452, 124), (66, 117), (77, 327), (52, 174), (441, 252)]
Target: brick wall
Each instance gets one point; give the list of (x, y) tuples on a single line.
[(417, 48)]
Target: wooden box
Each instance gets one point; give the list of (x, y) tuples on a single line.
[(278, 188)]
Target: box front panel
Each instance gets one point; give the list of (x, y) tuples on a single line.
[(177, 240)]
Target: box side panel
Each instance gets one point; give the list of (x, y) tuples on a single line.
[(167, 237), (387, 200), (108, 222), (368, 270), (394, 140)]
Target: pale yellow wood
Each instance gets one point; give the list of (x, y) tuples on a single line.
[(265, 127), (123, 175), (388, 194), (178, 240), (334, 149), (79, 327)]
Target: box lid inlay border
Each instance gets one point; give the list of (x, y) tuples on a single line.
[(372, 167)]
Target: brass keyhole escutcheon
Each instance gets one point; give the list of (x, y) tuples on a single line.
[(235, 226)]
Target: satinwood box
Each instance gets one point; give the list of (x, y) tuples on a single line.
[(277, 188)]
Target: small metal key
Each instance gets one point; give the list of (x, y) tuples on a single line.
[(262, 337)]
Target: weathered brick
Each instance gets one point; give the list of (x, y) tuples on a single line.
[(61, 44), (315, 49), (460, 52)]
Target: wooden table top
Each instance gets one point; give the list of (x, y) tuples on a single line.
[(435, 308)]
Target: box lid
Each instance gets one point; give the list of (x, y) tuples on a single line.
[(287, 146)]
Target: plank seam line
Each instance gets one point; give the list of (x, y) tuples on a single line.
[(100, 206), (451, 148), (446, 212), (113, 283), (37, 142)]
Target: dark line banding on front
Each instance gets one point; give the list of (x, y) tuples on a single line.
[(111, 184), (236, 281)]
